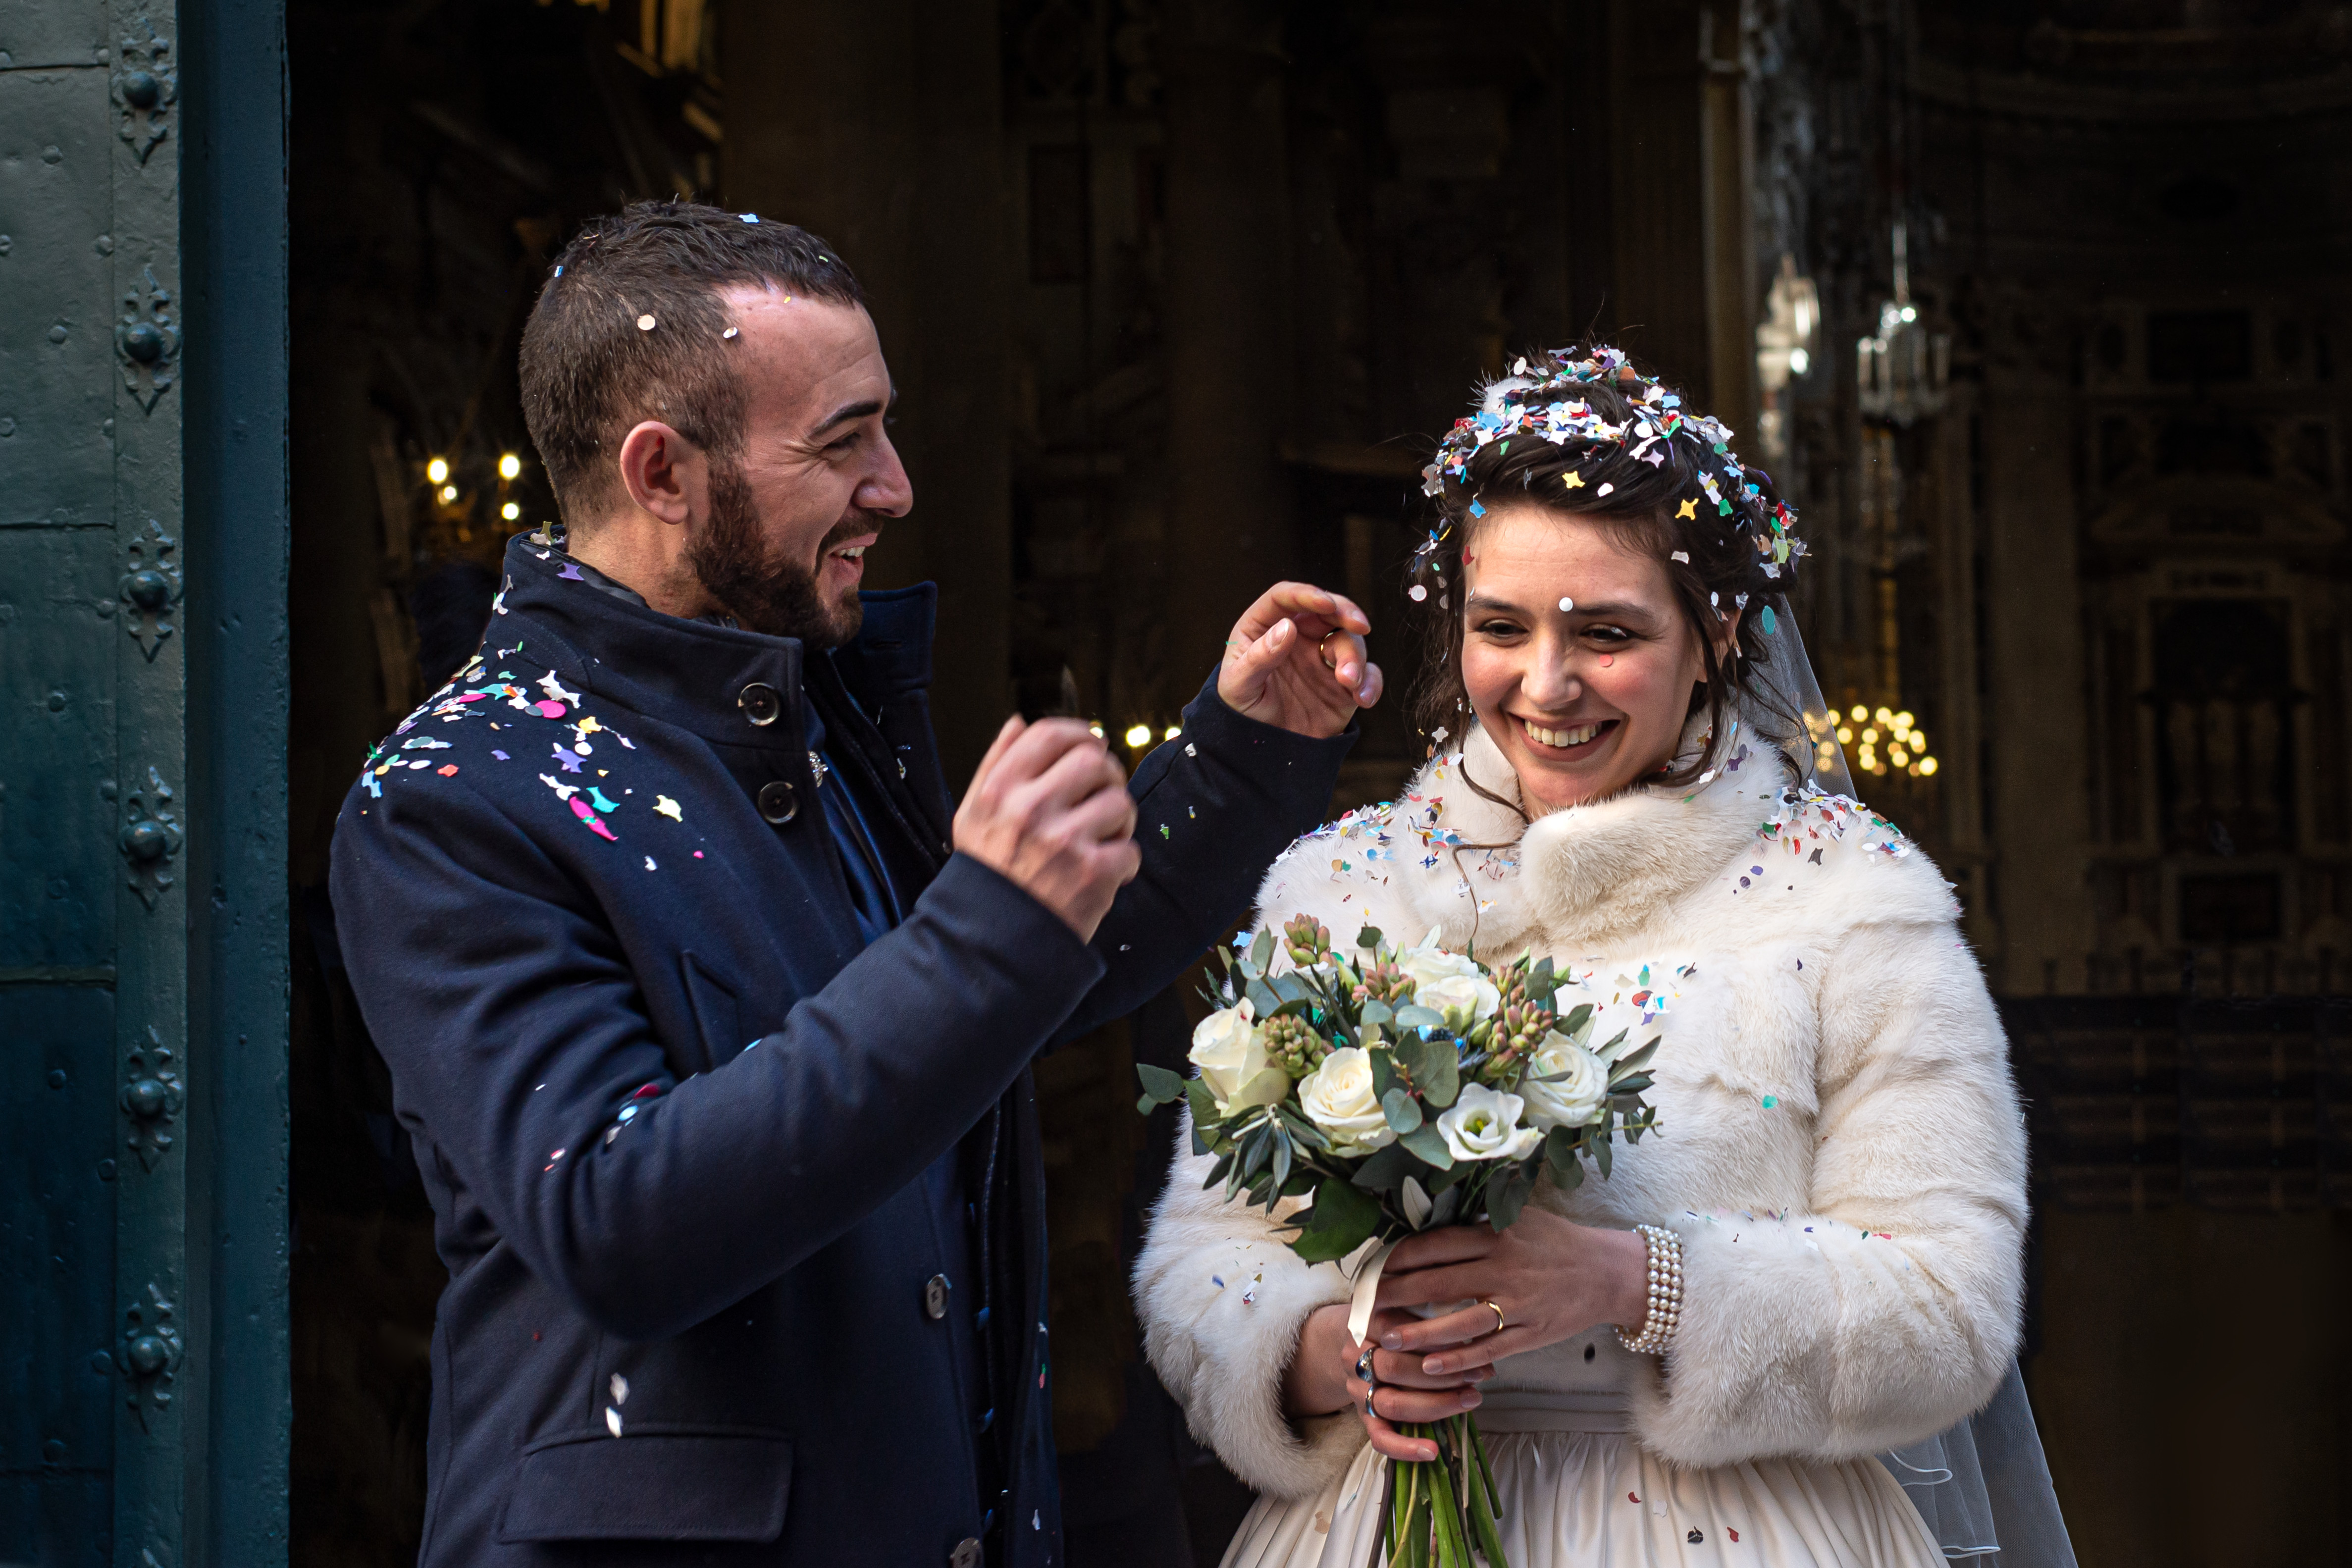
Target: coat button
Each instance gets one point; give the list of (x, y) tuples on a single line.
[(966, 1554), (759, 703), (778, 802), (935, 1297)]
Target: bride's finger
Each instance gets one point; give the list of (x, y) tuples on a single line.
[(1452, 1329), (1434, 1249), (1421, 1405), (1408, 1371), (1395, 1445), (1486, 1352)]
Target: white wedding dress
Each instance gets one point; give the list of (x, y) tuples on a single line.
[(1580, 1492)]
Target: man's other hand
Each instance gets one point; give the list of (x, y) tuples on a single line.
[(1048, 809), (1295, 660)]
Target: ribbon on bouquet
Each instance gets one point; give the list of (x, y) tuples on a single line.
[(1368, 1286)]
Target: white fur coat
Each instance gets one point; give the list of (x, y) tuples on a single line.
[(1841, 1149)]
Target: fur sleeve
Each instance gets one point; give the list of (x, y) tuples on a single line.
[(1889, 1310), (1223, 1299)]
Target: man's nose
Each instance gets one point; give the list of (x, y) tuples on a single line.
[(886, 488)]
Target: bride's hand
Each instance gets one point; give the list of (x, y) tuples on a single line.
[(1322, 1381), (1550, 1277)]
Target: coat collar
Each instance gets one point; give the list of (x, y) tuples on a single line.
[(1592, 875), (693, 673)]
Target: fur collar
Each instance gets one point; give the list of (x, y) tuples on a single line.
[(1592, 878)]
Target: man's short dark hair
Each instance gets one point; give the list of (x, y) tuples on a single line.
[(627, 329)]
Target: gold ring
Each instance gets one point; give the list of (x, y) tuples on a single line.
[(1324, 642), (1500, 1321)]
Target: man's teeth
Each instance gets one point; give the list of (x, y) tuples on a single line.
[(854, 552), (1575, 737)]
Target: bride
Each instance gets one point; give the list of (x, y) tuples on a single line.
[(1839, 1182)]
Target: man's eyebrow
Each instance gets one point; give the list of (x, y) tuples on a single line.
[(862, 408)]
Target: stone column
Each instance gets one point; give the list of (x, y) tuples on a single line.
[(881, 127), (1230, 523)]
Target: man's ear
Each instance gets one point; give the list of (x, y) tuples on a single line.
[(664, 473)]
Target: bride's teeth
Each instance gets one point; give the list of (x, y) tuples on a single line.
[(1575, 737)]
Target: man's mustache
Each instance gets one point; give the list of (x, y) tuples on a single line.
[(849, 528)]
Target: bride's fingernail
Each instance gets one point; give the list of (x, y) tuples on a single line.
[(1472, 1399), (1392, 1341), (1430, 1363)]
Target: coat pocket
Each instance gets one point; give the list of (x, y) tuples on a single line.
[(717, 1015), (673, 1483)]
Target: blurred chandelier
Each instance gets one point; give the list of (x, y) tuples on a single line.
[(1900, 373)]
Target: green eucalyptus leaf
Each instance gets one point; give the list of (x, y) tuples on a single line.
[(1630, 1088), (1428, 1146), (1576, 1021), (1506, 1197), (1281, 1163), (1341, 1220), (1402, 1110), (1387, 1168), (1290, 987), (1375, 1015), (1302, 1129), (1600, 1146), (1218, 1171), (1160, 1085), (1203, 1100), (1384, 1074), (1262, 1000), (1368, 937), (1635, 1061), (1414, 1016), (1261, 952)]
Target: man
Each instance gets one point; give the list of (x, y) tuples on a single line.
[(708, 1015)]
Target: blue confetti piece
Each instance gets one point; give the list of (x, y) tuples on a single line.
[(1768, 622)]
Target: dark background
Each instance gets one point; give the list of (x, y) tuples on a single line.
[(1179, 294)]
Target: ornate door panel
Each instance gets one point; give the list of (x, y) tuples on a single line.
[(103, 1413)]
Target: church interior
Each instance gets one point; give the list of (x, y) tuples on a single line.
[(2031, 306)]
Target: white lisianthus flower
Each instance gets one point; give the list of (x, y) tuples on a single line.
[(1570, 1102), (1484, 1125), (1430, 962), (1463, 998), (1230, 1049), (1337, 1098)]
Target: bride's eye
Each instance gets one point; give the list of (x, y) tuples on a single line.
[(1498, 628), (1612, 635)]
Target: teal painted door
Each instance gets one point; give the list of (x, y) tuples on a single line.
[(114, 1187)]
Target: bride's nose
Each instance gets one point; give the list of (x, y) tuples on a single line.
[(1551, 681)]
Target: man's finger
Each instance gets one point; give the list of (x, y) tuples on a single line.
[(1367, 690), (1078, 774), (1254, 661), (1042, 747), (997, 750), (1105, 817)]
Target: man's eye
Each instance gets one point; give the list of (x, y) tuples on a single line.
[(843, 444)]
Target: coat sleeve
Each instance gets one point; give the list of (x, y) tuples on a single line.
[(1213, 807), (520, 1044), (1223, 1299), (1888, 1308)]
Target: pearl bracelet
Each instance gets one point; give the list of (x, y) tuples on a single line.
[(1665, 1316)]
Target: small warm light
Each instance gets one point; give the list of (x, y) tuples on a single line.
[(510, 466), (1845, 735), (1797, 361), (1910, 313), (1870, 736), (448, 493), (1903, 719), (1860, 712), (1138, 735), (1172, 732), (1096, 730), (1926, 766), (1898, 755), (437, 469), (1883, 716), (510, 511)]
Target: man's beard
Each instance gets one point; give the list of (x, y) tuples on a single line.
[(778, 597)]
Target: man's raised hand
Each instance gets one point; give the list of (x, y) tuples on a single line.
[(1295, 660), (1048, 809)]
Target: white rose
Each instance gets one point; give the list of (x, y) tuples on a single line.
[(1337, 1098), (1463, 998), (1229, 1050), (1484, 1125), (1571, 1101), (1428, 962)]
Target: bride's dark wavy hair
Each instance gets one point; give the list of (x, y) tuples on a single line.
[(1715, 558)]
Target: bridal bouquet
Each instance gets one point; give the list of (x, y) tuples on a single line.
[(1401, 1089)]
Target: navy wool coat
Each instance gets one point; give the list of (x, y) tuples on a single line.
[(673, 1114)]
